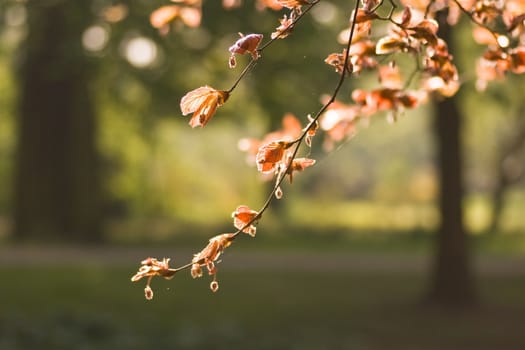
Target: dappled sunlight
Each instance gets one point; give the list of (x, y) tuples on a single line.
[(141, 52), (306, 175), (95, 38), (364, 215), (478, 213)]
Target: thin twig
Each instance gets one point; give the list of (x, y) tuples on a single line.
[(481, 24), (253, 61), (297, 142)]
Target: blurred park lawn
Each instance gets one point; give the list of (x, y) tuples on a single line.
[(329, 298)]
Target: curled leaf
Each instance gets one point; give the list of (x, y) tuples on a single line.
[(299, 164), (270, 154), (284, 29), (247, 44), (153, 267), (517, 60), (203, 103), (243, 218), (337, 60), (150, 268), (391, 44), (426, 30), (365, 16)]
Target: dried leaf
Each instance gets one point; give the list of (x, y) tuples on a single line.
[(284, 29), (152, 267), (270, 154), (271, 4), (243, 216), (517, 60), (299, 164), (292, 4), (390, 44), (247, 44), (203, 103), (365, 16), (426, 30), (191, 16), (406, 17), (337, 60), (164, 15), (390, 77)]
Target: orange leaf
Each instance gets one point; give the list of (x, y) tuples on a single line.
[(270, 154), (390, 77), (365, 16), (427, 31), (203, 103), (291, 4), (299, 164), (191, 16), (164, 15), (284, 29), (517, 60), (243, 216), (271, 4)]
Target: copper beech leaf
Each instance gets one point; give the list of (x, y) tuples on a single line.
[(284, 29), (243, 218), (291, 4), (164, 15), (203, 103), (247, 43), (270, 154), (299, 164)]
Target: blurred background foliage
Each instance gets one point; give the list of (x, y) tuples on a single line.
[(160, 178), (339, 263)]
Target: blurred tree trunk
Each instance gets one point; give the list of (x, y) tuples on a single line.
[(56, 194), (510, 167), (452, 282)]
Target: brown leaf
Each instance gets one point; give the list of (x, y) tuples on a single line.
[(270, 154), (203, 103), (426, 30), (247, 44), (391, 44), (365, 16), (517, 60), (243, 216), (164, 15), (191, 16), (299, 164), (291, 4)]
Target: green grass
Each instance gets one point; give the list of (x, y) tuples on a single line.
[(97, 307), (335, 239)]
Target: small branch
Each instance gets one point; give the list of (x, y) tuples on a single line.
[(297, 19), (246, 69), (253, 61), (314, 120), (218, 243), (477, 22)]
